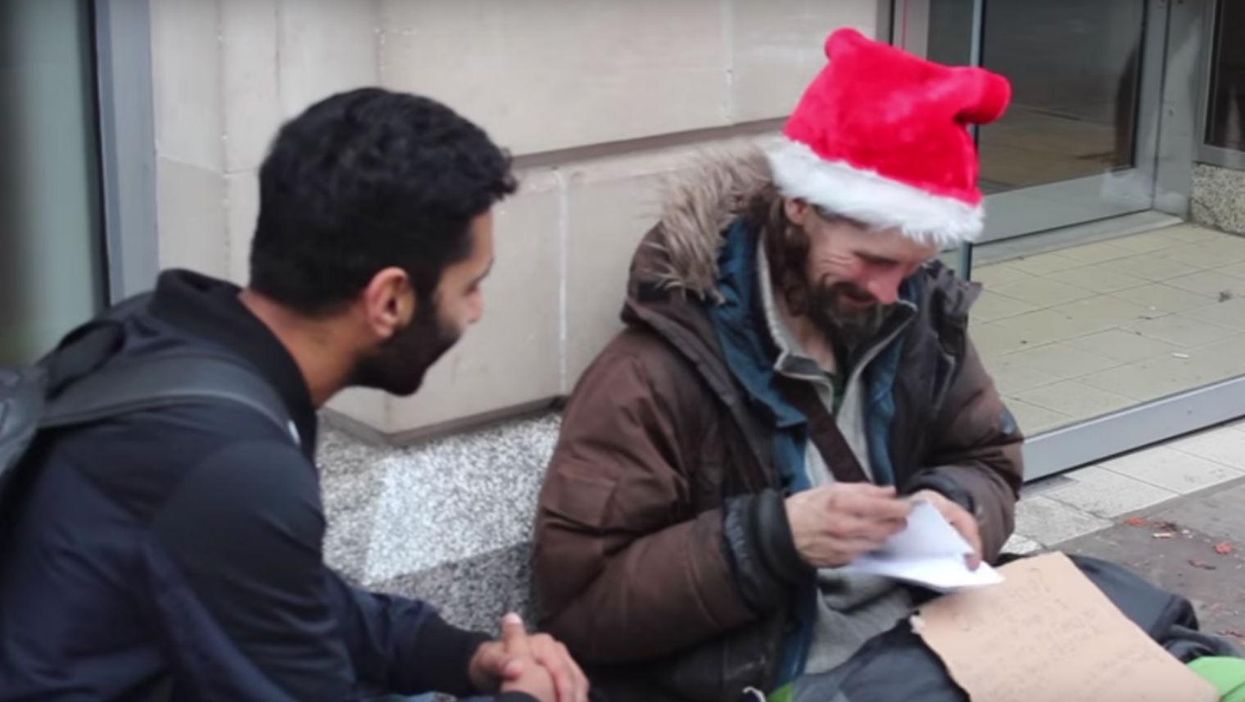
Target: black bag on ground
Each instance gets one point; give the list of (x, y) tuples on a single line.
[(897, 665)]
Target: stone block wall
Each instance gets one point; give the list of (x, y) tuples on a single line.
[(597, 99), (1218, 198)]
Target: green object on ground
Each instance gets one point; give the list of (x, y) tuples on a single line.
[(1226, 674), (782, 694)]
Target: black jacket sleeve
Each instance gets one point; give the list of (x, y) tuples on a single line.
[(762, 549), (251, 611), (402, 645)]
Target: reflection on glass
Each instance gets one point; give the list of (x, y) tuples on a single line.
[(1074, 71), (1225, 125), (950, 38), (1074, 67)]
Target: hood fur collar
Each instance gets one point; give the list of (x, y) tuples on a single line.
[(698, 205)]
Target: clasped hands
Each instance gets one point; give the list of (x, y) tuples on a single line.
[(536, 664)]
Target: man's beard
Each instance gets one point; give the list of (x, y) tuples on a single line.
[(398, 365), (833, 310)]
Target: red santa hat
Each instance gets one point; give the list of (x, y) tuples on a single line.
[(881, 136)]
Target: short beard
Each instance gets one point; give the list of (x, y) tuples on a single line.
[(399, 364), (849, 331), (787, 248)]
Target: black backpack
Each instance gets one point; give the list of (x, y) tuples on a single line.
[(84, 380)]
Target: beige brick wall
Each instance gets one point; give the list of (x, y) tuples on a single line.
[(598, 99)]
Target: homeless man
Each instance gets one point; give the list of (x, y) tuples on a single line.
[(794, 371)]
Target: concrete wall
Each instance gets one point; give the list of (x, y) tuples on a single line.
[(447, 520), (598, 99)]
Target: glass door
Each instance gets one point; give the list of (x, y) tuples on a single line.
[(1103, 333), (1077, 143)]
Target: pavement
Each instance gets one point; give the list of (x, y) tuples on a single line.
[(1172, 513)]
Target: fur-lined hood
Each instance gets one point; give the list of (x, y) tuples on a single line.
[(681, 252)]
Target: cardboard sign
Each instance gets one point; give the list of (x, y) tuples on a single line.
[(1048, 634)]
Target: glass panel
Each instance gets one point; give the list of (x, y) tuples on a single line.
[(50, 265), (951, 32), (954, 258), (1075, 331), (1074, 68), (940, 30), (1225, 124), (1076, 325)]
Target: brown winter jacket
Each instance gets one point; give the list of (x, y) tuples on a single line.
[(663, 557)]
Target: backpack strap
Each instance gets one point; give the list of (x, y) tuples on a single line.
[(79, 384), (84, 383), (163, 381)]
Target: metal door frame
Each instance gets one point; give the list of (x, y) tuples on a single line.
[(127, 144), (1209, 153), (1176, 52)]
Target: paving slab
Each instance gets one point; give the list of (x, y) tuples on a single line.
[(1173, 544), (1218, 512)]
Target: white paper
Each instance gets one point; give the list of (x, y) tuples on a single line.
[(928, 552)]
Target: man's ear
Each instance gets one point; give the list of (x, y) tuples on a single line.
[(389, 302), (797, 210)]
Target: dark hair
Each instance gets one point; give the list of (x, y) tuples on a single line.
[(786, 249), (787, 246), (364, 180)]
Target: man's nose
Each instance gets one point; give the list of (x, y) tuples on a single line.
[(885, 286)]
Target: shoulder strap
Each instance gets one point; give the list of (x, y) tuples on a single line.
[(163, 381), (86, 381), (824, 432)]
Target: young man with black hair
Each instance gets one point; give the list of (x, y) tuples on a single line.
[(178, 554)]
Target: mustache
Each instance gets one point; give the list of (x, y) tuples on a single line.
[(844, 289)]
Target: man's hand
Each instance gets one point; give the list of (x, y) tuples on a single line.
[(959, 518), (834, 524), (536, 664)]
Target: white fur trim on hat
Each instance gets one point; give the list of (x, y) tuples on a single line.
[(871, 198)]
